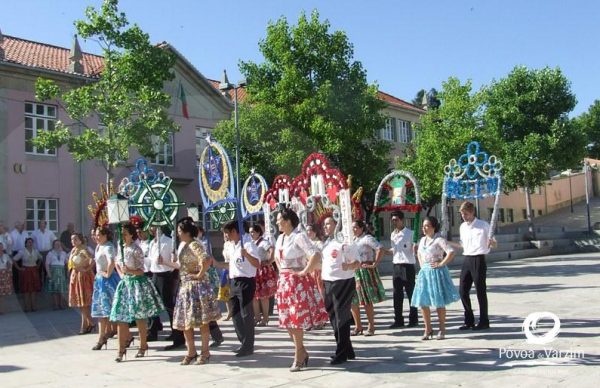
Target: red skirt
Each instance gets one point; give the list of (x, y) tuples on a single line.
[(29, 280), (81, 288), (299, 302), (6, 282), (266, 282)]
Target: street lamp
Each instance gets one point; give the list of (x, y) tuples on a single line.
[(569, 171), (226, 86), (586, 167), (117, 208)]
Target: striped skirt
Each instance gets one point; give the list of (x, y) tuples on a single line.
[(369, 288)]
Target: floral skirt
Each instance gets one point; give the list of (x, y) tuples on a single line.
[(299, 302), (224, 289), (135, 298), (104, 293), (29, 280), (57, 280), (81, 288), (196, 304), (434, 288), (369, 289), (266, 282), (6, 282)]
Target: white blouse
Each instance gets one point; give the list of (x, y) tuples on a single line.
[(56, 258), (366, 245), (259, 249), (4, 261), (104, 254), (434, 250), (293, 251), (29, 258)]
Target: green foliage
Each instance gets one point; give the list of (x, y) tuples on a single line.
[(126, 102), (528, 112), (589, 124), (308, 95), (443, 134)]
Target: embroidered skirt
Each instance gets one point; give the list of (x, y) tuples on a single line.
[(135, 298), (6, 282), (29, 280), (266, 282), (369, 288), (104, 293), (196, 304), (81, 288), (57, 280), (299, 303), (434, 288)]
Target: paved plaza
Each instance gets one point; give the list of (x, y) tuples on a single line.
[(41, 348)]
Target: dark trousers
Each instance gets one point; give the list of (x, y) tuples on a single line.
[(404, 280), (166, 283), (338, 299), (242, 294), (215, 331), (474, 271)]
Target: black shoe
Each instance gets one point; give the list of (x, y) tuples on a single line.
[(466, 327), (244, 352), (171, 337), (338, 360), (152, 337), (396, 325), (352, 356), (216, 344), (481, 326), (413, 324), (174, 346)]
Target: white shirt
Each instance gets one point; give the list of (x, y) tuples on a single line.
[(43, 240), (367, 245), (293, 251), (259, 249), (165, 252), (6, 241), (334, 254), (56, 258), (474, 237), (239, 267), (18, 239), (433, 250), (4, 261), (144, 246), (402, 245), (103, 256)]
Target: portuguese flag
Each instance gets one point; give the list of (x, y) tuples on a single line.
[(184, 107)]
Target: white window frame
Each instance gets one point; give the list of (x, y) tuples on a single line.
[(387, 133), (201, 143), (41, 209), (405, 131), (40, 121), (164, 152)]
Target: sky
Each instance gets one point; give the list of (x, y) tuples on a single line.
[(404, 46)]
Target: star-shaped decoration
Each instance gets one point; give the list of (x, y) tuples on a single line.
[(158, 204)]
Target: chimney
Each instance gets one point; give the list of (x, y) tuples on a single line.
[(75, 65)]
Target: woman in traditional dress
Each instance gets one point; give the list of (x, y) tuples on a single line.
[(369, 289), (434, 287), (196, 304), (105, 284), (81, 284), (56, 268), (299, 302), (136, 298), (266, 278), (29, 273), (6, 283)]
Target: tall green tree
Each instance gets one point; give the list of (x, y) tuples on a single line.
[(126, 101), (307, 95), (589, 124), (443, 134), (528, 110)]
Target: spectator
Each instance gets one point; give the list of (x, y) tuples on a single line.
[(65, 237)]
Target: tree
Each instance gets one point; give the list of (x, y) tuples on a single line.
[(443, 134), (308, 95), (528, 111), (589, 124), (127, 99)]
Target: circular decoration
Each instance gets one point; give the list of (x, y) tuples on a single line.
[(253, 194), (157, 204), (214, 172)]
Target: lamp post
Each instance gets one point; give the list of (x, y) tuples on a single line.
[(226, 86), (570, 189), (117, 207), (586, 167)]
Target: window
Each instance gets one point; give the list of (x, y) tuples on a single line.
[(539, 212), (490, 213), (524, 214), (406, 134), (511, 216), (502, 219), (201, 143), (38, 117), (37, 209), (389, 132), (164, 152)]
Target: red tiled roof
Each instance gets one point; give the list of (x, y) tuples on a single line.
[(44, 56), (398, 102)]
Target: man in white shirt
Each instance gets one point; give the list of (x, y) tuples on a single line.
[(18, 236), (403, 251), (242, 272), (476, 243), (337, 272), (43, 239)]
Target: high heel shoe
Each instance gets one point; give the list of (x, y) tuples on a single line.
[(427, 336), (100, 344), (130, 341), (111, 334), (298, 366), (356, 332), (121, 355), (204, 358), (89, 329), (187, 359), (441, 335), (370, 332), (141, 352)]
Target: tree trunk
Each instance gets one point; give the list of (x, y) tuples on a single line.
[(530, 226)]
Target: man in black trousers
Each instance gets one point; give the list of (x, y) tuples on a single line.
[(242, 273)]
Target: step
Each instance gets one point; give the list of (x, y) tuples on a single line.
[(557, 242), (512, 246)]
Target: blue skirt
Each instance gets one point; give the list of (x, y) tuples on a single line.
[(104, 292), (434, 288)]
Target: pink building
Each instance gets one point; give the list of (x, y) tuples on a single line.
[(48, 184)]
